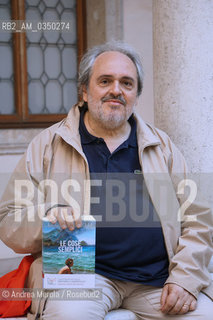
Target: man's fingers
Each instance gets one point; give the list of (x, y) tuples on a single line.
[(189, 305), (77, 218), (168, 299), (178, 307), (67, 217), (170, 303), (52, 215), (164, 295), (72, 218), (193, 305), (184, 309), (176, 300), (61, 218)]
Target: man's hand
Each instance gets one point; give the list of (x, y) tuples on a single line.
[(66, 217), (176, 300)]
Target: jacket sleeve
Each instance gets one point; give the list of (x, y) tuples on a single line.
[(23, 204), (189, 265)]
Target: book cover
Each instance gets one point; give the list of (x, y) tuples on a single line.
[(68, 256)]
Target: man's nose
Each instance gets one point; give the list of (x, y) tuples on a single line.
[(115, 88)]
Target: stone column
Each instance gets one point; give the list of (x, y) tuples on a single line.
[(183, 77)]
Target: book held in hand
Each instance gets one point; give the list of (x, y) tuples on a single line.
[(68, 256)]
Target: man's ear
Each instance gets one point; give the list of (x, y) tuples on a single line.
[(84, 93)]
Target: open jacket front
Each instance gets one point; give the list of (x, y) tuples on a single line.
[(56, 154)]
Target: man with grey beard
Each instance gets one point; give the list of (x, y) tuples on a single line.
[(156, 267)]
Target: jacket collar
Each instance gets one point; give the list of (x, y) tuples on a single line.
[(69, 130), (146, 133)]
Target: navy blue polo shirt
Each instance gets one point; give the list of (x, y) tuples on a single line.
[(129, 240)]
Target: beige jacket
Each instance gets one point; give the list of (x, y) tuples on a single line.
[(56, 153)]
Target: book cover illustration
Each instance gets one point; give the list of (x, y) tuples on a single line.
[(68, 256)]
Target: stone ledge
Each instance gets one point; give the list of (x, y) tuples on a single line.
[(15, 141), (12, 148)]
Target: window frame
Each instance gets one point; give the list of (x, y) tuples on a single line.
[(22, 118)]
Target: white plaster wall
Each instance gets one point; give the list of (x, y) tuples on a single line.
[(13, 143), (7, 165), (183, 65), (8, 162), (137, 30)]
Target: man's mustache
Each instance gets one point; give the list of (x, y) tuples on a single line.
[(116, 98)]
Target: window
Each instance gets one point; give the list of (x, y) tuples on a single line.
[(38, 67)]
